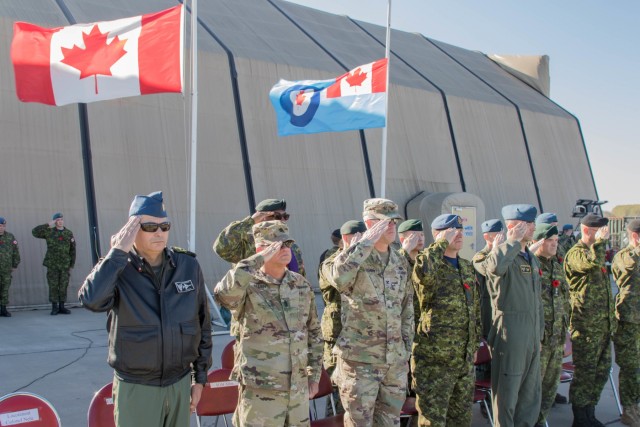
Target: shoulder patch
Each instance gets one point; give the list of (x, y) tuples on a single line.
[(180, 250)]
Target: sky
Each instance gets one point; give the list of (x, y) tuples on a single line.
[(594, 62)]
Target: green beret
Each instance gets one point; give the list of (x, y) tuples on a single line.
[(270, 231), (353, 227), (410, 225), (271, 205), (544, 231), (56, 215)]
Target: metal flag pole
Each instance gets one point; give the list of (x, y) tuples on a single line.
[(383, 172)]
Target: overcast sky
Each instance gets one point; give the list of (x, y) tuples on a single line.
[(594, 61)]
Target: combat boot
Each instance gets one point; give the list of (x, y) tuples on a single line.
[(591, 414), (580, 418), (630, 416), (63, 310), (54, 309), (4, 312)]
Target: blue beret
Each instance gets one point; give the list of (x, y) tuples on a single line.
[(410, 225), (492, 226), (567, 227), (353, 227), (520, 212), (56, 216), (445, 221), (151, 205), (546, 218), (2, 220), (272, 205)]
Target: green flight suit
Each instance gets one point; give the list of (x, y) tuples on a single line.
[(515, 334), (626, 272), (592, 321)]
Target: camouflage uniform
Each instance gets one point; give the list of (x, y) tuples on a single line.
[(59, 259), (235, 243), (331, 323), (555, 301), (564, 244), (279, 348), (9, 259), (592, 321), (447, 338), (374, 345), (626, 272), (515, 334), (416, 303), (485, 300)]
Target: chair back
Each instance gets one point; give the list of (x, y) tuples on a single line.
[(27, 408), (100, 413), (483, 355), (219, 396), (325, 387), (227, 358)]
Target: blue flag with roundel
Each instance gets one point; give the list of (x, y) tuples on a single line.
[(355, 100)]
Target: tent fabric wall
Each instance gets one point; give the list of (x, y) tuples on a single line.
[(441, 98)]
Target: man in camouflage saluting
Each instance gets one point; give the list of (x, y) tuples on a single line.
[(374, 345), (279, 348), (490, 229), (626, 272), (411, 237), (235, 242), (448, 334), (555, 301), (592, 318), (9, 260), (59, 260)]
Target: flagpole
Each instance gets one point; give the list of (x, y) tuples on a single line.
[(194, 124), (383, 173)]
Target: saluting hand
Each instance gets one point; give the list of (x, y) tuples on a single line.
[(410, 242), (268, 252), (516, 234), (52, 224), (449, 234), (497, 240), (602, 233), (355, 239), (376, 231), (125, 238), (535, 246)]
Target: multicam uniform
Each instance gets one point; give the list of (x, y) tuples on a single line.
[(592, 321), (555, 301), (9, 259), (59, 259), (331, 322), (626, 272), (447, 338), (374, 345), (279, 348)]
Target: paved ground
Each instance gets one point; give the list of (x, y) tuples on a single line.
[(63, 358)]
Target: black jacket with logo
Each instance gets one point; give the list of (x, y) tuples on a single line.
[(159, 330)]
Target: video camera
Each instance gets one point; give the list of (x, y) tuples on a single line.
[(585, 206)]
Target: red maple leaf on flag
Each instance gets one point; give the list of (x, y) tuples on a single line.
[(97, 57), (356, 78)]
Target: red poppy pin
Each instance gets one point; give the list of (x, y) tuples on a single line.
[(540, 272), (555, 283), (466, 286), (604, 270)]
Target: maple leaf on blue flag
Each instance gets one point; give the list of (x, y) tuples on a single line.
[(355, 100)]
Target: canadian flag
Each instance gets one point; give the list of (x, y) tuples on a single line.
[(365, 79), (133, 56)]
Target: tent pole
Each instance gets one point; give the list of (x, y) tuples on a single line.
[(383, 171), (194, 125)]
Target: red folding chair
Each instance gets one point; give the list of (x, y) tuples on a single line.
[(100, 413), (227, 358), (409, 408), (27, 408), (483, 357), (219, 396), (480, 396), (325, 388)]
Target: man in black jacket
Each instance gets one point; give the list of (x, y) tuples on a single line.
[(158, 320)]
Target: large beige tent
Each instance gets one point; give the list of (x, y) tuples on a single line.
[(462, 132)]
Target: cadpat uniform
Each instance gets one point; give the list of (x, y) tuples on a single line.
[(9, 260), (447, 337)]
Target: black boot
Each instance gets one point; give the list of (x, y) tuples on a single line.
[(580, 418), (63, 310), (560, 399), (54, 309), (4, 312), (591, 414)]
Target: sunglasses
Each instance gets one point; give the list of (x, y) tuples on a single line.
[(287, 244), (152, 227), (280, 216)]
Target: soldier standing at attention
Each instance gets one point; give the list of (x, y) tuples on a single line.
[(9, 260), (626, 272), (449, 330), (513, 276), (592, 318), (374, 345), (490, 230), (566, 239), (279, 349), (59, 260), (555, 301), (235, 242)]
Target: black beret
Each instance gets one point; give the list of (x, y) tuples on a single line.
[(272, 205), (492, 226), (634, 226), (336, 233), (353, 227), (593, 220)]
